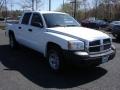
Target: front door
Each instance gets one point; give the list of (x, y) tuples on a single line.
[(36, 32)]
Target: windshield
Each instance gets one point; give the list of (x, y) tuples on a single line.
[(60, 20)]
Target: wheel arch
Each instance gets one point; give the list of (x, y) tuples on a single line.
[(10, 32), (52, 45)]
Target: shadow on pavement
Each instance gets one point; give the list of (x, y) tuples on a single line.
[(33, 66)]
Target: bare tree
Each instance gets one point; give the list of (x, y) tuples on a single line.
[(76, 5), (111, 8), (96, 4), (1, 3), (67, 7), (30, 4), (102, 9), (38, 4), (3, 8), (84, 4)]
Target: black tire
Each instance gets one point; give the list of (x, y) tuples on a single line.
[(55, 60), (12, 41)]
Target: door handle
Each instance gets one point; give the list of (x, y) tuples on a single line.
[(30, 30), (19, 27)]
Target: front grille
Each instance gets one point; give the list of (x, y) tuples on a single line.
[(94, 49), (106, 41), (93, 43), (99, 45), (107, 46)]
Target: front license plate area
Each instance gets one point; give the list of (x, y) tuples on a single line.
[(105, 59)]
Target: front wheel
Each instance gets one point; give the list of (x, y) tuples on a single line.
[(55, 60)]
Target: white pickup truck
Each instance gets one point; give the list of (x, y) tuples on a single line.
[(61, 39)]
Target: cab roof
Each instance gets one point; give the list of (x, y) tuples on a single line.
[(45, 12)]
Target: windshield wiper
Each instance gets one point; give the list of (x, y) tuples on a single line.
[(72, 25), (58, 25)]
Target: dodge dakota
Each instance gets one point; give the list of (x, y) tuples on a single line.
[(61, 39)]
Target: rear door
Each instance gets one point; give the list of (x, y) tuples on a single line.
[(23, 29)]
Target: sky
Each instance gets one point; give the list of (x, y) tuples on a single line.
[(55, 4), (45, 4)]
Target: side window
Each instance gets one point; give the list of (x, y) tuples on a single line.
[(26, 18), (36, 20)]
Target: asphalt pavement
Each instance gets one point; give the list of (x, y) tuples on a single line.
[(25, 69)]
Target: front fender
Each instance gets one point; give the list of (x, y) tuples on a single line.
[(60, 40)]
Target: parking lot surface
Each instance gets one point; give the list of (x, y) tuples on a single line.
[(25, 69)]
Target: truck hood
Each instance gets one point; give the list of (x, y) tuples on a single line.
[(79, 33)]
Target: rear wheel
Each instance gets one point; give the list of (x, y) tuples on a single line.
[(12, 41)]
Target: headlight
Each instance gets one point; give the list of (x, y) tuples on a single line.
[(76, 45)]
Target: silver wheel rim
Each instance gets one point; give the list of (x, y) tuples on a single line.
[(54, 61), (11, 42)]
